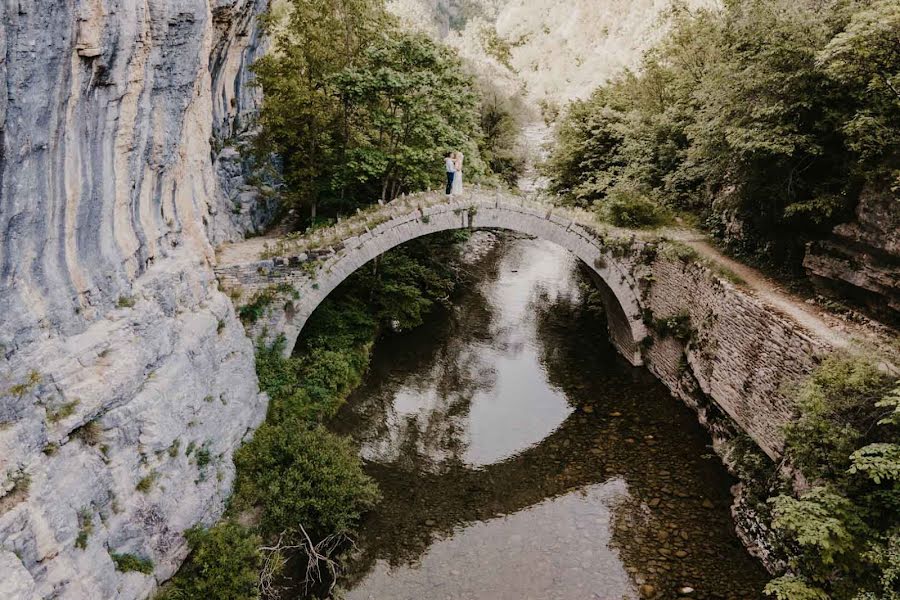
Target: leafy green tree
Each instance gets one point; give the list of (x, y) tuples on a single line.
[(866, 57), (358, 110), (840, 536), (301, 119), (410, 100), (500, 128), (767, 115)]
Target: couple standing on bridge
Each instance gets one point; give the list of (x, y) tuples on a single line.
[(454, 165)]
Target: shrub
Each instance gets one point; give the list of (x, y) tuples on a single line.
[(254, 311), (224, 565), (842, 535), (131, 562), (303, 477), (630, 208), (677, 326), (837, 411)]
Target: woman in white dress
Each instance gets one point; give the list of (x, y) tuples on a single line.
[(458, 178)]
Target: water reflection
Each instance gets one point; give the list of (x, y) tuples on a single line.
[(520, 457)]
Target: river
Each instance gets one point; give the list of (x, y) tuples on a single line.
[(520, 457)]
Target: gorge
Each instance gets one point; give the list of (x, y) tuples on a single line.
[(127, 379)]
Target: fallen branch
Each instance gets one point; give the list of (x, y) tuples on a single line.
[(319, 556)]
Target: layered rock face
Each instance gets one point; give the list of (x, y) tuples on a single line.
[(126, 381), (861, 260)]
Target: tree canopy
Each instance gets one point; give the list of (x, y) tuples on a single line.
[(764, 117), (358, 110)]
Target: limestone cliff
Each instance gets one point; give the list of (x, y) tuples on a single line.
[(860, 261), (125, 379)]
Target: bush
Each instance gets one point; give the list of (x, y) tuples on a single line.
[(224, 565), (303, 477), (842, 535), (130, 562), (630, 208), (772, 114)]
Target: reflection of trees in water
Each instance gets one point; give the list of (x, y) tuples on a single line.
[(626, 426), (435, 360), (675, 527)]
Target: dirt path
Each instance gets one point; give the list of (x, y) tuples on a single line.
[(834, 328)]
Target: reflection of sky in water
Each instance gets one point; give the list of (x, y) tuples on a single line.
[(495, 488), (512, 395), (556, 549)]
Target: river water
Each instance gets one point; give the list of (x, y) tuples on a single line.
[(521, 458)]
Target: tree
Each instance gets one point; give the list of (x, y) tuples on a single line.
[(410, 101), (358, 110), (301, 119), (866, 58)]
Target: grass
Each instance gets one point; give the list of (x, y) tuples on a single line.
[(146, 482), (125, 302), (57, 414), (31, 382), (85, 527), (126, 563)]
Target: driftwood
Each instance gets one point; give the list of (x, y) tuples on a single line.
[(320, 561)]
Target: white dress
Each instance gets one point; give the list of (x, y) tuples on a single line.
[(457, 188)]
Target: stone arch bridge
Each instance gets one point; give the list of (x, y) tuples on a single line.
[(721, 346), (292, 276)]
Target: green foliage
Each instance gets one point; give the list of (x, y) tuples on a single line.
[(500, 125), (131, 562), (256, 308), (775, 112), (125, 302), (841, 535), (677, 326), (629, 208), (85, 527), (294, 472), (301, 476), (358, 109), (823, 522), (224, 564), (881, 462), (838, 412), (790, 587)]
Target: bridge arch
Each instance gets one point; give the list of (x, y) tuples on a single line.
[(297, 283)]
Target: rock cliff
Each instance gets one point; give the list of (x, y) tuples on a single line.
[(125, 379), (860, 261)]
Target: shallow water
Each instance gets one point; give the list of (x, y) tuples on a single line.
[(520, 457)]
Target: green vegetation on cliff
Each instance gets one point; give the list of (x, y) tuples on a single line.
[(299, 486), (765, 118)]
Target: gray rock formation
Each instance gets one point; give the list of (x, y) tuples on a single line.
[(126, 381), (861, 259)]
